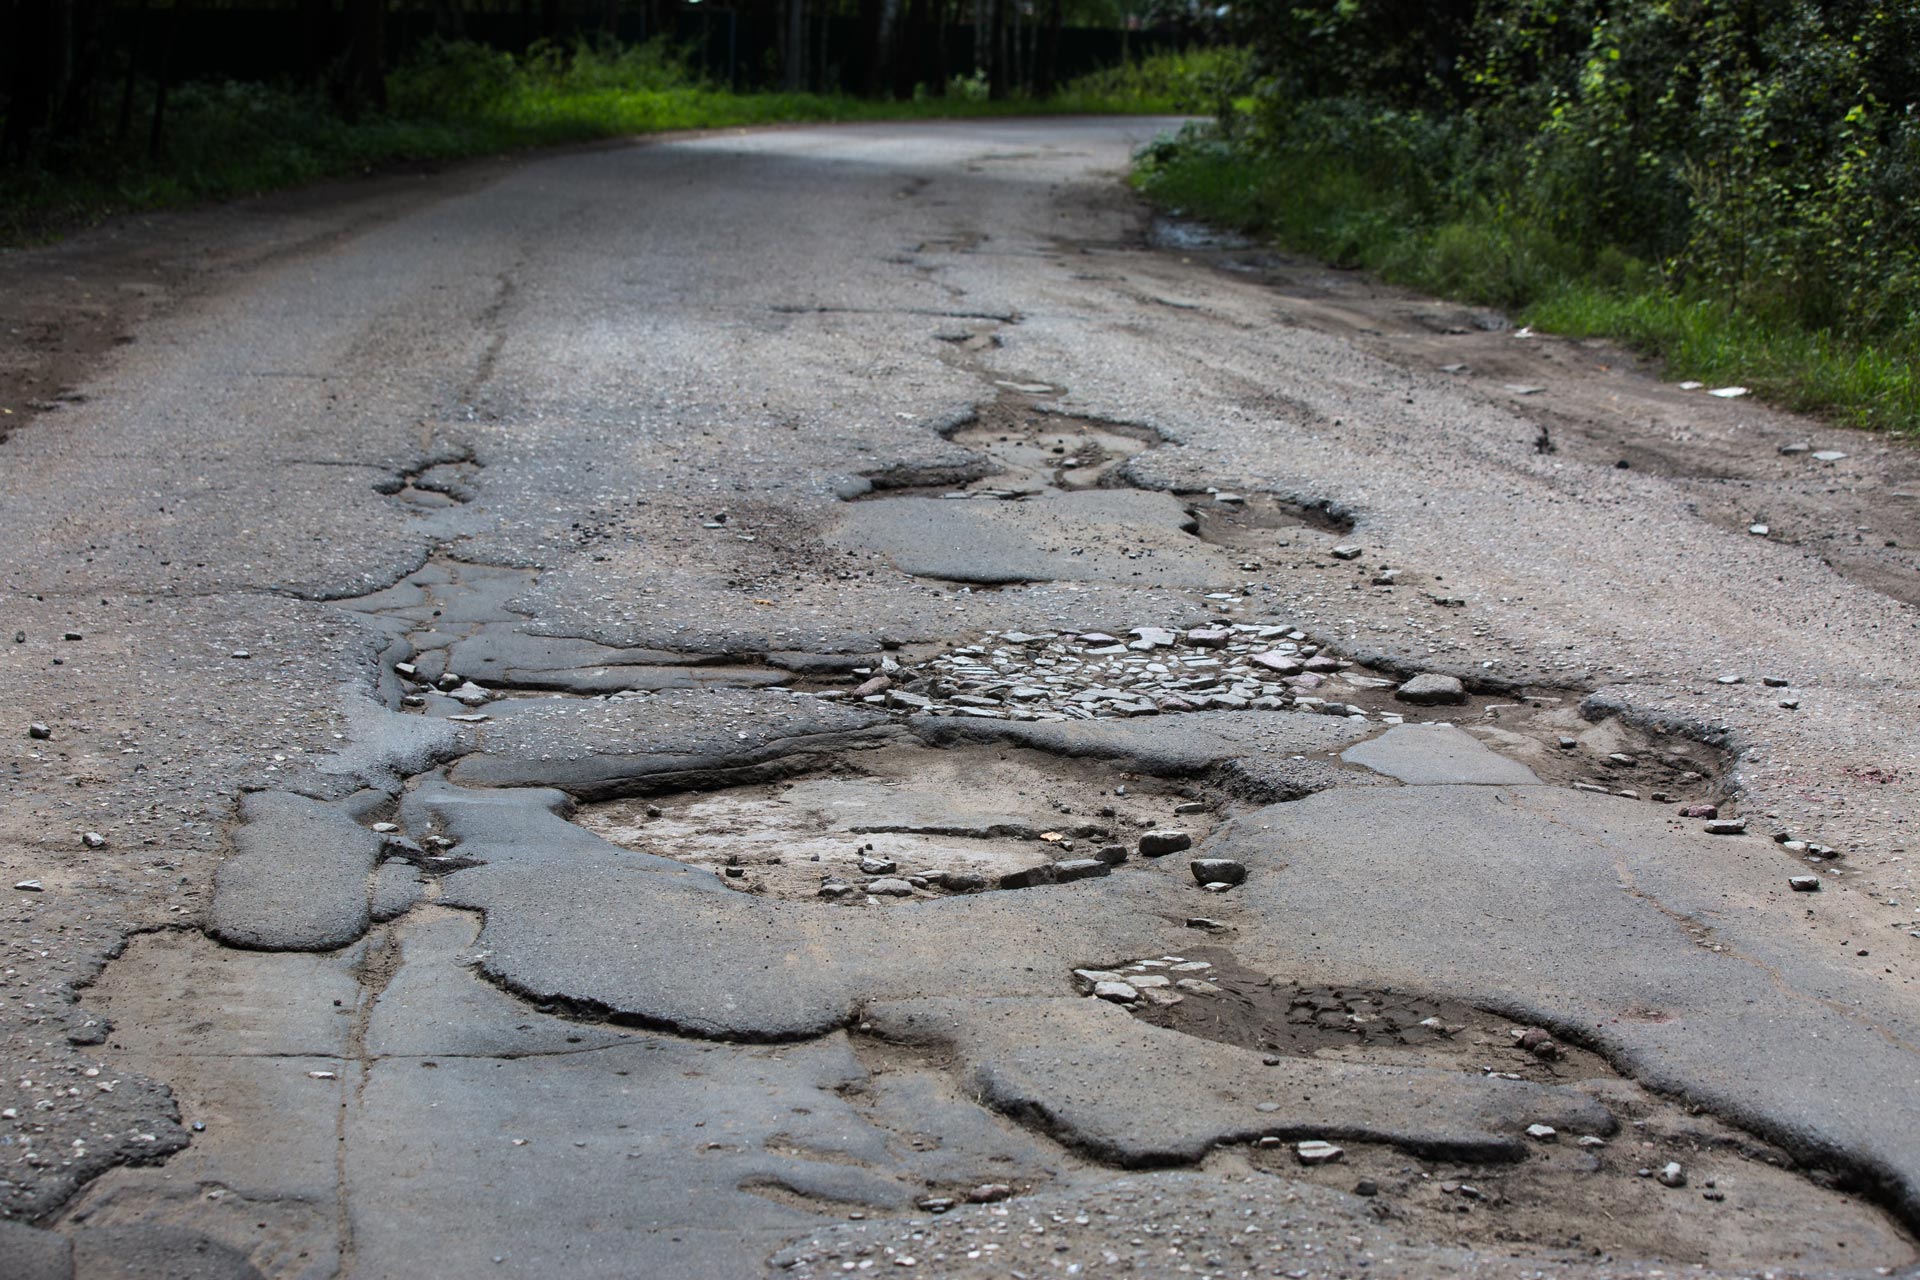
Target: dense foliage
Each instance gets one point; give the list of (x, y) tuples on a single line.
[(1757, 160)]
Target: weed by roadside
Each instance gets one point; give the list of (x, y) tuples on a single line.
[(1417, 204)]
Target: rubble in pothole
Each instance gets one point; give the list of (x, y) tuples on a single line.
[(1017, 675), (905, 824)]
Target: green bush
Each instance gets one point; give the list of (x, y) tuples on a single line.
[(1196, 79)]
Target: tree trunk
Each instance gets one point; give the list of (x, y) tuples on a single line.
[(136, 37), (794, 74), (1049, 76), (157, 130), (999, 71), (942, 68), (366, 86), (30, 77)]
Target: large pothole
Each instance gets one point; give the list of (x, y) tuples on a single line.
[(1671, 1184), (911, 823)]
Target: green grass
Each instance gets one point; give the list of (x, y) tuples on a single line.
[(226, 140), (1359, 212)]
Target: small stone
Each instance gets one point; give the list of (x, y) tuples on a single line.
[(1116, 991), (1212, 871), (94, 840), (1045, 873), (1791, 450), (1210, 637), (1700, 811), (1828, 455), (322, 1075), (1567, 744), (1759, 530), (878, 684), (1431, 690), (989, 1193), (1206, 924), (834, 889), (405, 670), (1366, 1187), (1727, 827), (469, 694), (75, 635), (1543, 1133), (1196, 986), (1789, 704), (1080, 869), (1157, 844), (890, 887), (1347, 552), (1730, 679), (961, 881), (240, 654), (1191, 806), (1672, 1175), (39, 731), (1313, 1151), (1728, 393), (1280, 663), (1775, 682), (29, 886), (1113, 854), (1804, 884), (878, 866), (1589, 1140), (935, 1204)]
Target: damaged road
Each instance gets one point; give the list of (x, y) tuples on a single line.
[(593, 720)]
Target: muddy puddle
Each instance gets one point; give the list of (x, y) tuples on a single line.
[(911, 824)]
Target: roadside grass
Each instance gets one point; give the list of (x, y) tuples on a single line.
[(227, 139), (1330, 206)]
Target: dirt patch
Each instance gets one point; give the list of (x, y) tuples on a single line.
[(1740, 463)]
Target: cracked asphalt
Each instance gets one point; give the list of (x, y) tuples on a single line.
[(830, 700)]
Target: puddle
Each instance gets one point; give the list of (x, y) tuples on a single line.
[(918, 822), (1187, 234), (1743, 1202)]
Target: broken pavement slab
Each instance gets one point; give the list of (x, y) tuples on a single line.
[(1586, 915), (576, 920), (1060, 1064), (1430, 755), (297, 879)]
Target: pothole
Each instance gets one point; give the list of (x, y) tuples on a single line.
[(445, 479), (911, 824), (1248, 522), (1026, 451), (1256, 666), (1726, 1199)]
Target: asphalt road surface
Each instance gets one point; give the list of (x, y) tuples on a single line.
[(844, 700)]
